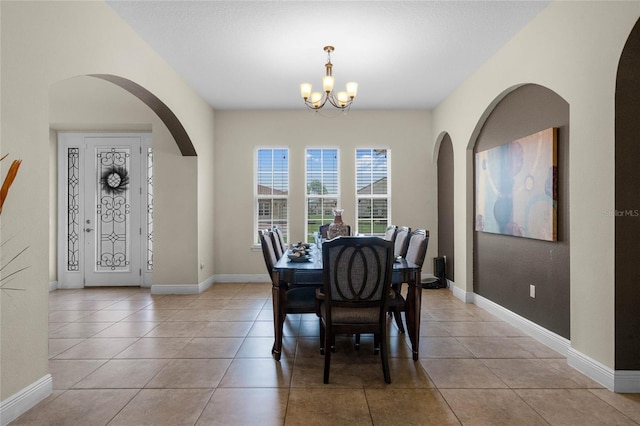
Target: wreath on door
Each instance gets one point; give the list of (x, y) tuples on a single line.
[(115, 180)]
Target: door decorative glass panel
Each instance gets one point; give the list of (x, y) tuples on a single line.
[(113, 209), (73, 209)]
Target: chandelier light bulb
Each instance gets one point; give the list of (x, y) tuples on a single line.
[(327, 83), (352, 89), (343, 98), (305, 90), (316, 98)]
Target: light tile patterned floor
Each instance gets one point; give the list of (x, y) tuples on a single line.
[(121, 356)]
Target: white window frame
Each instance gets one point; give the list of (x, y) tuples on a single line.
[(257, 197), (386, 196), (306, 194)]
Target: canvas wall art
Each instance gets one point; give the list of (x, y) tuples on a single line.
[(516, 187)]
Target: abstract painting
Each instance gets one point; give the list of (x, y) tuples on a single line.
[(517, 187)]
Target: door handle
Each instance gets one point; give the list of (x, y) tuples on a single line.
[(88, 230)]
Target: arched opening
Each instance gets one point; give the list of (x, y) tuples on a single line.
[(445, 205), (88, 104), (160, 108), (627, 205), (505, 267)]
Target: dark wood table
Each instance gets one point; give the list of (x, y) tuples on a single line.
[(310, 273)]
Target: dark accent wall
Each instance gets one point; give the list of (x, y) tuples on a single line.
[(445, 204), (627, 206), (505, 266)]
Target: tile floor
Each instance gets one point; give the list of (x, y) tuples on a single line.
[(124, 357)]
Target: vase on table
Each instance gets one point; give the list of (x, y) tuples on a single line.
[(337, 228)]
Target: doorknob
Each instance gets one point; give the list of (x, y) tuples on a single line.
[(88, 230)]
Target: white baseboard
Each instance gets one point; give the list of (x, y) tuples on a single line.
[(22, 401), (623, 381), (204, 285), (242, 278), (541, 334), (592, 368), (175, 289), (627, 381)]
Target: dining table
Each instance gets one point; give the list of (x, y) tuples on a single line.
[(287, 272)]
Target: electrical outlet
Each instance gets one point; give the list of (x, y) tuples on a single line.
[(532, 291)]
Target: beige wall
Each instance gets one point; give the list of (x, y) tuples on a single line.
[(238, 133), (44, 43), (572, 48)]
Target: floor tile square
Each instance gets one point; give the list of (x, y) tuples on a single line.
[(245, 406), (163, 407), (257, 373), (190, 373)]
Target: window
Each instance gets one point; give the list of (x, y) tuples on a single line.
[(373, 190), (322, 193), (272, 190)]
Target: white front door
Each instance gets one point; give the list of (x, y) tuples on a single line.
[(102, 236)]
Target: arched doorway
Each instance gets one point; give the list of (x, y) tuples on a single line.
[(627, 205), (504, 266), (445, 206)]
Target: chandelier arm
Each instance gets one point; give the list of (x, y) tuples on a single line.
[(332, 100), (310, 105)]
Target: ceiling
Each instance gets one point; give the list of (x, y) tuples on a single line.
[(254, 54)]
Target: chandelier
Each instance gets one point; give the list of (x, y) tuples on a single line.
[(316, 100)]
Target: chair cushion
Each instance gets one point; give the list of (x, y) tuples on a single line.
[(352, 315)]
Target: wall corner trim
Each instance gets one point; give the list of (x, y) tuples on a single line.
[(25, 399)]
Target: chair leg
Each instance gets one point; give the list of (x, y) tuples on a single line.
[(322, 333), (398, 317), (385, 359), (327, 357)]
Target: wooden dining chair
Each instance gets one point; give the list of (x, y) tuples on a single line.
[(354, 299), (322, 230), (401, 242), (418, 240), (390, 233), (279, 237), (277, 243), (294, 300)]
